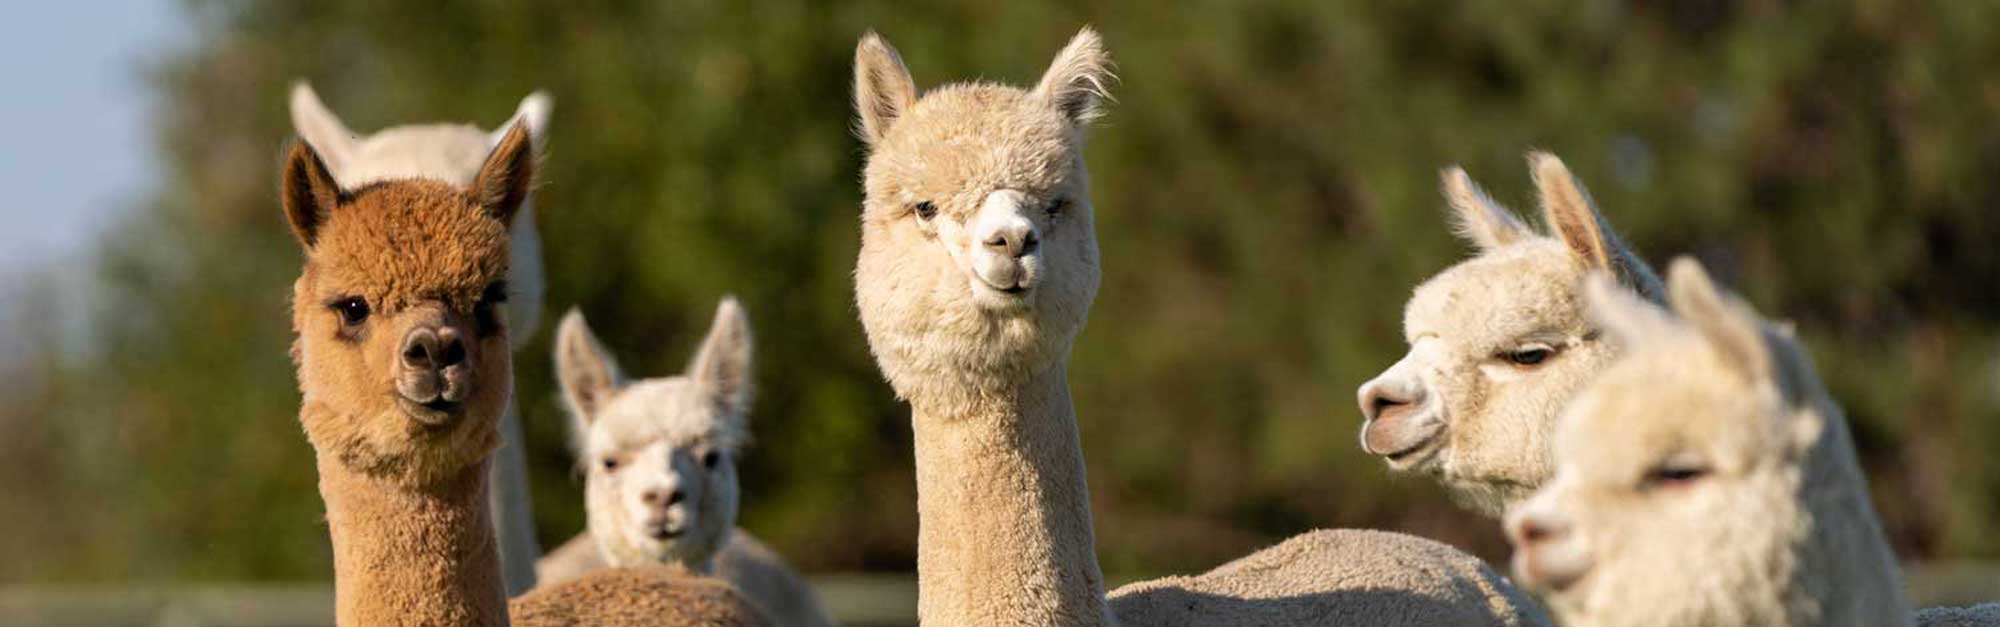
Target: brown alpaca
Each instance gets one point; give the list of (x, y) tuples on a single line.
[(403, 370)]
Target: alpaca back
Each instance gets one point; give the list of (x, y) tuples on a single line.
[(630, 597), (1986, 615), (1334, 577)]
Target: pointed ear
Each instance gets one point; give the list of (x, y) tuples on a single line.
[(1475, 217), (320, 127), (721, 368), (1568, 210), (1075, 82), (534, 113), (1625, 318), (504, 181), (883, 89), (586, 372), (1725, 322), (308, 193)]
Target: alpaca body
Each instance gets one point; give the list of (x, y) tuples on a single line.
[(404, 368), (977, 269), (453, 153), (1710, 452), (659, 456), (756, 570), (1498, 343)]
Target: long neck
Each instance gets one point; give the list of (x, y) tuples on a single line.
[(1004, 511), (407, 556), (1847, 565)]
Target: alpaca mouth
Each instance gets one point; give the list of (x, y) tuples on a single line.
[(1405, 441), (435, 413), (1541, 570), (664, 531)]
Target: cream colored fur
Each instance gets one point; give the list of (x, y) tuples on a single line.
[(453, 153), (1704, 479), (659, 461), (1498, 343), (977, 269)]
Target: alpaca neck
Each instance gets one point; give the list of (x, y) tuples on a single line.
[(1005, 534), (1847, 563), (412, 556)]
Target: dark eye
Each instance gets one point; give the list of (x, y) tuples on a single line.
[(610, 464), (1057, 206), (710, 459), (485, 312), (926, 210), (353, 310), (1675, 475), (1530, 356)]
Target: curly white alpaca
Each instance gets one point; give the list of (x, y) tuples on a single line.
[(1704, 479), (659, 460), (1497, 343)]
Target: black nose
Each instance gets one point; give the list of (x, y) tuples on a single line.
[(432, 349)]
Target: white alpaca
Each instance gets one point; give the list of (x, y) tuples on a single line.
[(453, 153), (978, 266), (659, 458), (1704, 479), (1498, 343)]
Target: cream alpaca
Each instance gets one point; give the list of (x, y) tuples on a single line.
[(1497, 343), (659, 458), (453, 153), (404, 369), (1704, 479), (978, 266)]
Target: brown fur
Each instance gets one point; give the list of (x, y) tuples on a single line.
[(635, 596), (406, 485)]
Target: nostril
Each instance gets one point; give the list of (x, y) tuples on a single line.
[(419, 348), (1382, 404), (1534, 530), (454, 353), (1029, 243), (676, 496)]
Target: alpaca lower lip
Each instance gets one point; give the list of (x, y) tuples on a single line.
[(1415, 454), (663, 532), (434, 413)]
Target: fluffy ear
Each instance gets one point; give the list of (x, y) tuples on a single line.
[(504, 181), (1474, 215), (1726, 323), (1075, 82), (883, 89), (308, 193), (320, 127), (1626, 318), (534, 113), (722, 367), (586, 372), (1568, 210)]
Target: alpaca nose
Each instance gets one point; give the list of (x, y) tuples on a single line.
[(1528, 529), (1379, 397), (433, 349), (663, 498), (1013, 240)]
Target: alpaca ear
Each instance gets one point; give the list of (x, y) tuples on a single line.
[(504, 181), (1626, 319), (883, 89), (1568, 210), (533, 113), (1475, 217), (1075, 82), (308, 193), (721, 369), (586, 372), (1725, 322), (320, 127)]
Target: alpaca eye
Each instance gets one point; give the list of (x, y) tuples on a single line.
[(610, 464), (1530, 356), (1675, 475), (710, 459), (353, 310), (926, 210), (485, 312), (1057, 206)]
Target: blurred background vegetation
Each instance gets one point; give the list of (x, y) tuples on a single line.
[(1266, 191)]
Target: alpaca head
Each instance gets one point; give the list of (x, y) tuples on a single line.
[(1676, 497), (452, 153), (978, 260), (1497, 343), (659, 455), (401, 346)]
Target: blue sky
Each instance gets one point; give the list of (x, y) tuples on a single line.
[(78, 151)]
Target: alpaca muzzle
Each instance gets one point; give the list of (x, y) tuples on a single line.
[(434, 372)]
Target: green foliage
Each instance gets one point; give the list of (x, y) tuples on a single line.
[(1267, 196)]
